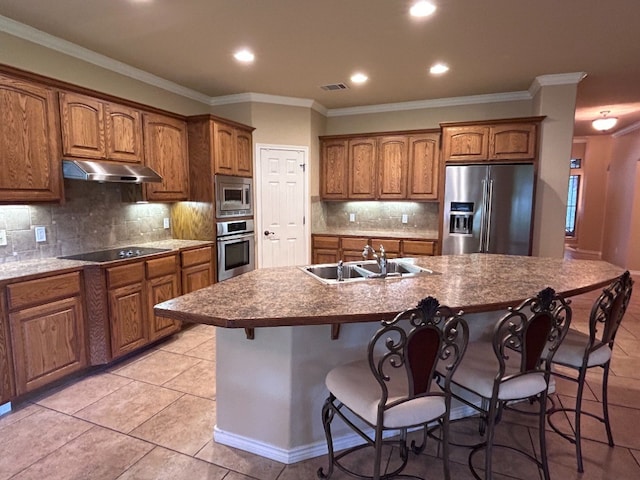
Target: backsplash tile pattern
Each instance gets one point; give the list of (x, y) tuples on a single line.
[(422, 217), (92, 217)]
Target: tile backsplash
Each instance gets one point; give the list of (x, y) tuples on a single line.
[(92, 217), (421, 217)]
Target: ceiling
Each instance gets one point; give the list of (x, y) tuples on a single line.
[(491, 46)]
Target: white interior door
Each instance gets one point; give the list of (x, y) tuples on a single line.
[(282, 206)]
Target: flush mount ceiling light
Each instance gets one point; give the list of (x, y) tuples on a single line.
[(359, 78), (422, 9), (244, 56), (604, 123), (438, 69)]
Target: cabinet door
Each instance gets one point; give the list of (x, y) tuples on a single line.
[(7, 390), (513, 142), (83, 128), (48, 342), (412, 248), (165, 151), (244, 156), (423, 167), (128, 318), (159, 290), (124, 133), (392, 167), (463, 144), (224, 149), (362, 168), (29, 148), (334, 170), (196, 277)]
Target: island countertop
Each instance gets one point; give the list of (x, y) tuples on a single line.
[(288, 296)]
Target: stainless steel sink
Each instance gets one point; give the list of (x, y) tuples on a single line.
[(365, 270)]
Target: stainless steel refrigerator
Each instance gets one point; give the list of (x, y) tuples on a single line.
[(488, 209)]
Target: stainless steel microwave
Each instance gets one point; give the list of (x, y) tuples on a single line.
[(234, 196)]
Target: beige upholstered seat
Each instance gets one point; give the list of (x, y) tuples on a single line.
[(513, 366), (580, 352), (392, 389)]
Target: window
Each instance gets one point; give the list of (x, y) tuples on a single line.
[(573, 196)]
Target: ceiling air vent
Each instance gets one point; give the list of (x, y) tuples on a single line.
[(334, 86)]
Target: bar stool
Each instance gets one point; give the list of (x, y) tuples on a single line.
[(513, 366), (581, 352), (392, 391)]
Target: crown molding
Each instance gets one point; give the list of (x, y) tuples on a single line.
[(626, 130), (555, 79), (39, 37), (435, 103), (266, 98)]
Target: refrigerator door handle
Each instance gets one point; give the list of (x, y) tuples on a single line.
[(483, 218), (488, 208)]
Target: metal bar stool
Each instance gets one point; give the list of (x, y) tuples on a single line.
[(580, 352), (513, 366), (392, 390)]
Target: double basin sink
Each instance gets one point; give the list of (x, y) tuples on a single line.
[(365, 270)]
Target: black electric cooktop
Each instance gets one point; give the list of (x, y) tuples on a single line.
[(115, 254)]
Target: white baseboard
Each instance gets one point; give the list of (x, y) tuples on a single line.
[(312, 450), (5, 408)]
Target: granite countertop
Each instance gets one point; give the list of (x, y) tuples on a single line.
[(474, 283), (399, 234), (29, 268)]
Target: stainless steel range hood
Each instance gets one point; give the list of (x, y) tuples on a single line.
[(97, 171)]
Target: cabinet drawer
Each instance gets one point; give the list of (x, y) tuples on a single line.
[(159, 267), (43, 290), (390, 246), (326, 242), (418, 247), (125, 275), (353, 243), (196, 257)]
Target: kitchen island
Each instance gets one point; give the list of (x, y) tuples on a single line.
[(270, 389)]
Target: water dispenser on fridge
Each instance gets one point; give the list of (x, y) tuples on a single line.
[(461, 218)]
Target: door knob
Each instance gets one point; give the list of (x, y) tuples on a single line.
[(267, 233)]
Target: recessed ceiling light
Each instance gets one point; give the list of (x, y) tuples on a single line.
[(422, 9), (438, 69), (359, 78), (244, 56)]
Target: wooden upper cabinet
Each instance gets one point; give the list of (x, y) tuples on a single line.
[(165, 151), (392, 167), (29, 150), (362, 168), (83, 126), (334, 170), (423, 167), (92, 128), (232, 150), (513, 142), (124, 133), (465, 144)]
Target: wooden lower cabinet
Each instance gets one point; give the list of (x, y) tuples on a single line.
[(351, 248), (197, 269), (325, 249), (331, 248), (47, 329), (7, 389), (133, 290)]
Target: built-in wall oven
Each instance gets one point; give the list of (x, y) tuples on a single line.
[(233, 196), (236, 248)]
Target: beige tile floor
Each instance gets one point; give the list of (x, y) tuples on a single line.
[(152, 417)]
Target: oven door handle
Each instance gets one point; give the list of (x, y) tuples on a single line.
[(235, 238)]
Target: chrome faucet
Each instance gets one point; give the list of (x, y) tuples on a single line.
[(381, 259), (340, 272)]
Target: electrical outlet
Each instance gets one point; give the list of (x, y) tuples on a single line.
[(3, 237), (166, 223), (405, 218), (352, 217), (41, 234)]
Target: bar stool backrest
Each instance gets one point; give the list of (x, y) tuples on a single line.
[(413, 344), (608, 311), (534, 329)]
